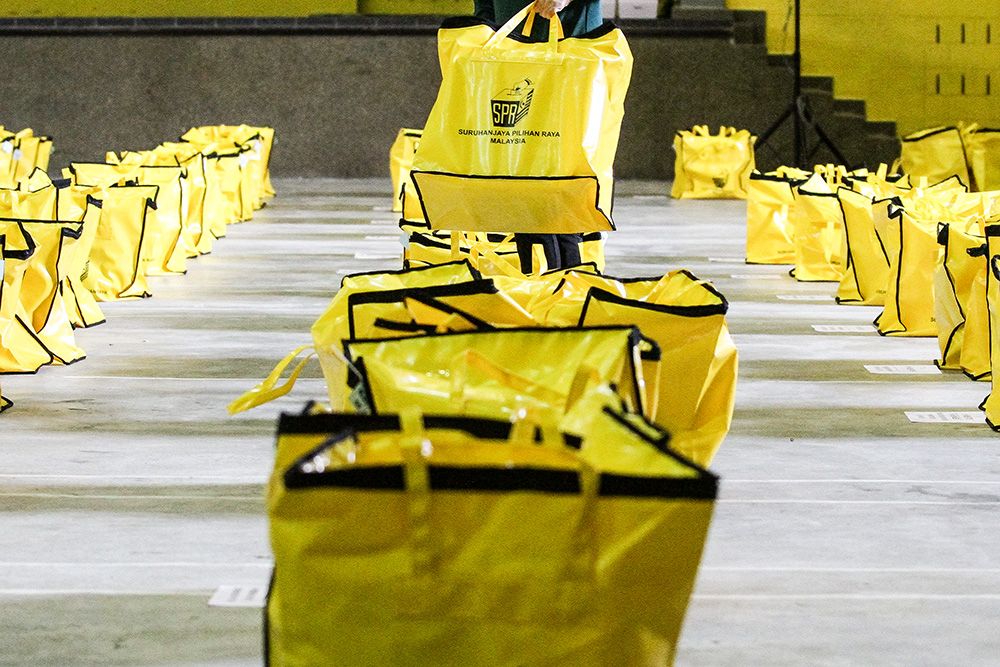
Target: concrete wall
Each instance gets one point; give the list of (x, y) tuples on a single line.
[(337, 101)]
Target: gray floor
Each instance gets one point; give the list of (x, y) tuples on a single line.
[(844, 535)]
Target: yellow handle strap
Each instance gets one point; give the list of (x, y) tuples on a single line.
[(526, 14), (480, 250), (269, 389), (477, 361)]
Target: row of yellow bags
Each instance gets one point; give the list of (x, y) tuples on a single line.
[(640, 371), (97, 234), (918, 250), (22, 152), (966, 151)]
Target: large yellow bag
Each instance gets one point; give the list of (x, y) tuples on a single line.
[(992, 403), (710, 166), (770, 234), (463, 542), (936, 154), (820, 242), (961, 261), (493, 373), (41, 295), (171, 245), (867, 273), (115, 268), (982, 148), (401, 161), (909, 300), (975, 355), (523, 135), (697, 369), (20, 349)]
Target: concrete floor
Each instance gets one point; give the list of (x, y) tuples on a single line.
[(844, 535)]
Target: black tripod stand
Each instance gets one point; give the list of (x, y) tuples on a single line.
[(798, 110)]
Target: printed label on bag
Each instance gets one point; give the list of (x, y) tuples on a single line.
[(508, 108), (946, 417), (239, 596), (903, 369), (843, 328), (804, 297), (511, 105)]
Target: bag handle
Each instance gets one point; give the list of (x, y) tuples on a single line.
[(476, 360), (528, 15), (269, 389)]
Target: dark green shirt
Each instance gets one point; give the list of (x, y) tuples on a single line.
[(579, 17)]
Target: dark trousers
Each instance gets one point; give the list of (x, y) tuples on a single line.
[(561, 250)]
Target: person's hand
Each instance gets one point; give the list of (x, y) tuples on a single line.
[(548, 8)]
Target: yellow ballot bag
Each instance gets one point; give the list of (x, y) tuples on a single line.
[(992, 403), (936, 154), (909, 300), (710, 166), (963, 258), (770, 234), (866, 276), (696, 374), (115, 268), (982, 149), (41, 293), (523, 135), (20, 349), (820, 243), (460, 541), (975, 354)]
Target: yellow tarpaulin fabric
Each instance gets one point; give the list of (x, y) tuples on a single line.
[(486, 548), (523, 135)]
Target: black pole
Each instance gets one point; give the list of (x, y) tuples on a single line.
[(797, 128)]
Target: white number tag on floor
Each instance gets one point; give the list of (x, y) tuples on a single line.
[(903, 369), (376, 256), (239, 596), (727, 260), (946, 417), (381, 237), (758, 276), (843, 328), (804, 297)]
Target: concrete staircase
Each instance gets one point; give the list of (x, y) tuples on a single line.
[(845, 121)]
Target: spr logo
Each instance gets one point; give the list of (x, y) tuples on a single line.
[(510, 106)]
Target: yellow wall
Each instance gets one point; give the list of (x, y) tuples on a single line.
[(81, 8), (887, 53)]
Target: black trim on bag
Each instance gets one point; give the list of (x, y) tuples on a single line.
[(266, 622), (474, 272), (597, 190), (482, 286), (28, 241), (599, 294), (490, 429), (499, 479), (407, 327), (923, 134), (433, 302)]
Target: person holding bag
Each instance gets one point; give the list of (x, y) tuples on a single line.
[(578, 17)]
